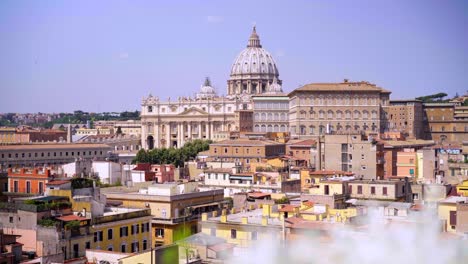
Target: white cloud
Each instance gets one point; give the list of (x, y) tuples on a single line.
[(214, 19), (123, 55)]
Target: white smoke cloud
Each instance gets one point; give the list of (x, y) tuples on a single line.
[(415, 240)]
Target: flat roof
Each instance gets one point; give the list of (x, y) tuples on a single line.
[(52, 146)]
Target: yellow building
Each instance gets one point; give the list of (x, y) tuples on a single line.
[(462, 188), (126, 230), (122, 229), (243, 229), (447, 211), (175, 208), (7, 135)]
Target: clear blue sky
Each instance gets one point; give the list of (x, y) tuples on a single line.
[(60, 56)]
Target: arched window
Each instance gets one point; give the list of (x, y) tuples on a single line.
[(257, 117), (283, 116), (321, 114), (330, 114), (339, 114), (374, 114), (302, 130), (311, 130), (365, 114), (263, 116), (356, 114), (303, 114), (312, 114), (321, 129), (348, 114)]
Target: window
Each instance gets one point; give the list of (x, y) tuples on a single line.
[(110, 248), (254, 235), (384, 191), (41, 187), (11, 219), (28, 187), (150, 109), (327, 190), (134, 247), (123, 248), (145, 244), (159, 232), (415, 196), (88, 245), (98, 236), (350, 189), (15, 186), (123, 231), (359, 189), (233, 233), (110, 234), (133, 230), (453, 219), (372, 189)]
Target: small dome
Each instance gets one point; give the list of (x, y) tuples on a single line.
[(206, 91)]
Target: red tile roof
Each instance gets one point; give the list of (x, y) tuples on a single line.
[(142, 167), (288, 208), (57, 182), (325, 172), (221, 247), (259, 195), (307, 142)]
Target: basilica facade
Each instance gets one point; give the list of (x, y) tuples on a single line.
[(172, 123)]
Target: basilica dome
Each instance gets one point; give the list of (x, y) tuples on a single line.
[(253, 69), (254, 59)]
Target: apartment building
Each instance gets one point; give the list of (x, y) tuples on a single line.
[(175, 208), (245, 151), (355, 153), (405, 116), (390, 190)]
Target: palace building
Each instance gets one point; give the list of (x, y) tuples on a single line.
[(172, 123)]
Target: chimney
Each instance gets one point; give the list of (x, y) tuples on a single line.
[(69, 136), (204, 217), (244, 220)]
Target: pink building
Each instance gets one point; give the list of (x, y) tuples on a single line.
[(163, 172), (406, 163)]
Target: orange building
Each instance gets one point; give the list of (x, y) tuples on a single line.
[(406, 163), (28, 181)]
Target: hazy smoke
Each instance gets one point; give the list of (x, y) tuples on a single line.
[(415, 240)]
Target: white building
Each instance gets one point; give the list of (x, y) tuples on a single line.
[(171, 123)]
